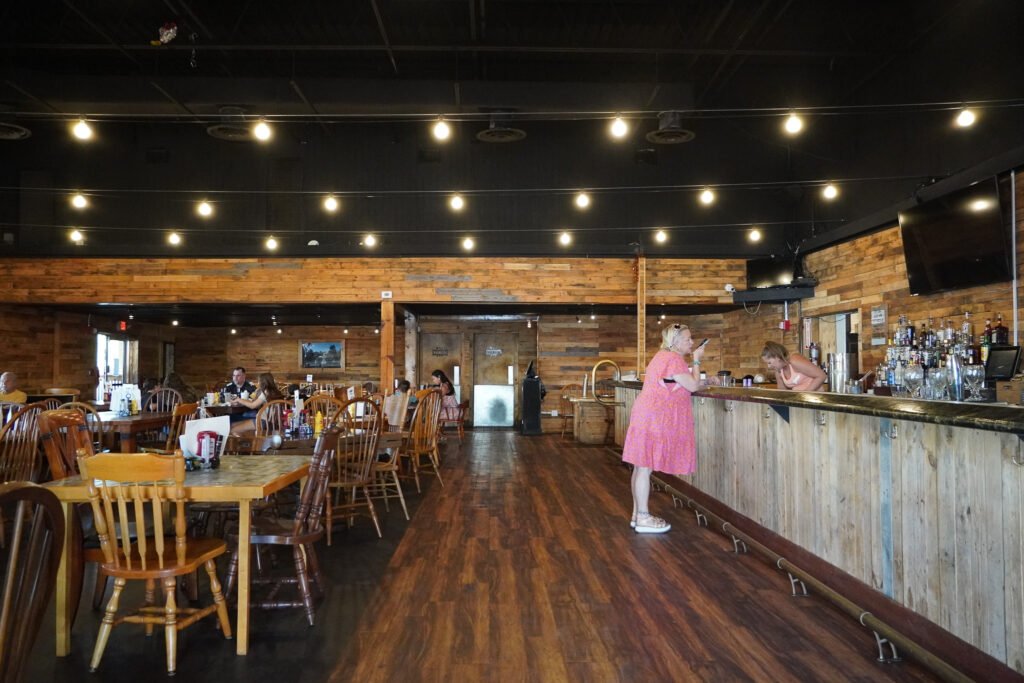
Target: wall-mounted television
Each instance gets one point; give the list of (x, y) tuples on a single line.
[(773, 271), (957, 240)]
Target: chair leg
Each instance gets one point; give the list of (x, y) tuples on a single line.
[(171, 624), (327, 517), (373, 510), (435, 460), (401, 497), (300, 573), (218, 599), (107, 625), (149, 601), (316, 576), (229, 582)]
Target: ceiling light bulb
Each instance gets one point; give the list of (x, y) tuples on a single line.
[(468, 244), (376, 330), (330, 204), (345, 331), (980, 205), (441, 130), (75, 236), (271, 243), (174, 322), (262, 131), (370, 241), (279, 330), (965, 118), (830, 191), (457, 202), (234, 331), (174, 238), (565, 239), (79, 201), (205, 209), (529, 324), (662, 317), (707, 197), (82, 130), (582, 200), (593, 316), (661, 237), (754, 235), (619, 128), (313, 243), (794, 124)]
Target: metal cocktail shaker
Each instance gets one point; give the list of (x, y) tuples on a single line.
[(956, 377)]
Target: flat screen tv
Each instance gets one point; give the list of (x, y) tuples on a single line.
[(957, 240), (770, 272)]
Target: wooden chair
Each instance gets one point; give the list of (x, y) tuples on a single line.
[(125, 483), (162, 401), (63, 391), (269, 419), (30, 563), (326, 404), (183, 412), (97, 426), (7, 410), (566, 408), (396, 410), (353, 464), (19, 445), (301, 533), (50, 403), (458, 421), (422, 441)]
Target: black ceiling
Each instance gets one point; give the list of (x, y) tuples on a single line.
[(350, 88)]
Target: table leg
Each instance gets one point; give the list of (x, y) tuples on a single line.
[(65, 610), (244, 548), (127, 442)]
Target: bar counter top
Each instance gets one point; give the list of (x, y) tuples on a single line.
[(988, 416)]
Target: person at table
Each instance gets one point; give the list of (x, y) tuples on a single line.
[(449, 402), (238, 387), (395, 404), (267, 391), (188, 393), (9, 392), (792, 371), (661, 433), (149, 386)]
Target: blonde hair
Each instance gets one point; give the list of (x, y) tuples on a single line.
[(670, 334), (775, 350)]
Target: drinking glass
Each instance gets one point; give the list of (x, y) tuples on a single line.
[(939, 380), (913, 377), (974, 378)]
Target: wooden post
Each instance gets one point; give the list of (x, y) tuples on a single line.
[(412, 349), (387, 344), (641, 314)]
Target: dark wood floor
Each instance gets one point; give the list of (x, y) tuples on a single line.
[(523, 567)]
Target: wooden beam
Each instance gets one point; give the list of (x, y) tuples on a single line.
[(641, 314), (387, 344), (412, 350)]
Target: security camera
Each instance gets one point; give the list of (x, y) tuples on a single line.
[(730, 288)]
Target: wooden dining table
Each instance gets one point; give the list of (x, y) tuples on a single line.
[(129, 426), (240, 479)]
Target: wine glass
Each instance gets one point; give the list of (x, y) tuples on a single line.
[(913, 377), (939, 380), (974, 378)]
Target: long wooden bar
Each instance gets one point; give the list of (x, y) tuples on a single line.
[(922, 501)]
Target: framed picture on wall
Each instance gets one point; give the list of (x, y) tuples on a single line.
[(322, 355)]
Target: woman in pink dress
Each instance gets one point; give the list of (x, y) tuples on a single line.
[(661, 435)]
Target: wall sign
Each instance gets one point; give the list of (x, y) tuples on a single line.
[(879, 318)]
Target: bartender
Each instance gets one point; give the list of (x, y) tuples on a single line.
[(792, 371)]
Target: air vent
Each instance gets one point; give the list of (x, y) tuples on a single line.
[(498, 132), (12, 131), (670, 130), (234, 127)]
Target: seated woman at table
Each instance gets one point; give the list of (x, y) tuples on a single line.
[(266, 390)]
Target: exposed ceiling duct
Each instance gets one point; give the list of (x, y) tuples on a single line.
[(499, 132), (670, 130), (234, 128)]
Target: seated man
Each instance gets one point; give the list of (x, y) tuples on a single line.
[(9, 392), (238, 387)]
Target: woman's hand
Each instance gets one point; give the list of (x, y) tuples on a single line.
[(698, 354)]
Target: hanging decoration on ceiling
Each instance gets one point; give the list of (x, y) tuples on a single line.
[(167, 33)]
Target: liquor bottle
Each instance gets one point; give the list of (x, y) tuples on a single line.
[(986, 336), (949, 332), (966, 330), (1002, 333)]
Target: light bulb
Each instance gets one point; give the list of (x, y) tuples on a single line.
[(468, 244), (234, 331), (174, 323), (82, 130), (707, 197), (980, 205), (370, 241), (271, 243), (79, 201), (262, 131), (830, 192), (279, 330), (582, 200), (205, 209), (441, 130), (794, 124), (565, 239), (345, 331), (661, 237), (965, 118), (75, 236), (754, 235), (330, 204), (593, 316), (174, 238), (619, 128), (376, 331), (457, 202)]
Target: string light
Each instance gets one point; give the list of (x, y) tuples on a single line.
[(279, 330), (794, 124), (204, 209), (271, 243), (565, 239), (174, 239), (82, 130), (234, 331), (79, 201), (707, 197), (330, 203), (441, 130), (468, 244), (966, 118), (76, 236), (345, 331), (262, 131), (456, 202), (830, 192), (661, 237), (618, 128), (582, 200), (754, 235), (376, 330), (174, 323), (369, 241)]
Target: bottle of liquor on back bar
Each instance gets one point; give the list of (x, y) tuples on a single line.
[(966, 330), (1001, 332)]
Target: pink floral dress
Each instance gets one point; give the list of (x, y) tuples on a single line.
[(661, 432)]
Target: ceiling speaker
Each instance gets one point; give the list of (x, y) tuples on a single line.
[(670, 130)]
